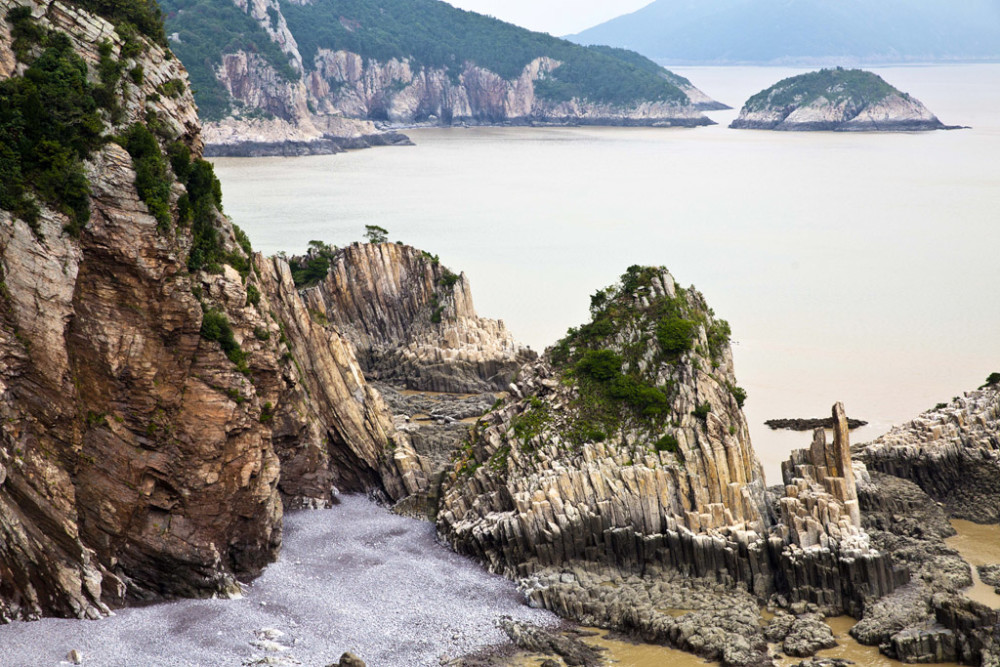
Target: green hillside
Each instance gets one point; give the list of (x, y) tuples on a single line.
[(207, 29), (429, 33), (836, 85)]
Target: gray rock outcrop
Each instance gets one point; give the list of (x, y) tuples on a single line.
[(952, 452), (412, 321), (835, 100)]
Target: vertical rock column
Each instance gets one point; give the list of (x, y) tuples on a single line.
[(826, 557)]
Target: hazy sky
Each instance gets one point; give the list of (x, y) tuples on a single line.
[(559, 17)]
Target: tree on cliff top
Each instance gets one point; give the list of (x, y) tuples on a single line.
[(376, 234)]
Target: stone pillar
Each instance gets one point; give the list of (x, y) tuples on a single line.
[(842, 451)]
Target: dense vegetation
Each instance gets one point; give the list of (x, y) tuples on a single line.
[(143, 15), (207, 29), (615, 360), (215, 327), (836, 85), (49, 123), (434, 34), (313, 267), (428, 32)]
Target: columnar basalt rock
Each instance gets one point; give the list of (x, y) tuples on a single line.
[(952, 452), (570, 473), (819, 523), (625, 447), (412, 321)]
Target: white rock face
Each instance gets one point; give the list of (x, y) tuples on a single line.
[(894, 113), (339, 90), (952, 452)]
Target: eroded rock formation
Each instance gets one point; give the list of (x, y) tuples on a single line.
[(412, 321), (626, 448), (569, 472), (952, 452)]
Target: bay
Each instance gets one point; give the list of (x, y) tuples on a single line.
[(852, 267)]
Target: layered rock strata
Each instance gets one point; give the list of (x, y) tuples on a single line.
[(952, 452), (412, 321), (331, 428), (156, 409), (835, 100)]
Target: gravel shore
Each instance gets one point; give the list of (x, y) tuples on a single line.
[(354, 577)]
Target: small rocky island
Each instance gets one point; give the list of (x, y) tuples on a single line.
[(837, 100)]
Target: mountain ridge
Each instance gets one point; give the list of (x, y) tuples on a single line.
[(805, 32)]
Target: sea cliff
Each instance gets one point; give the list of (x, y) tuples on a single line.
[(309, 82), (157, 409)]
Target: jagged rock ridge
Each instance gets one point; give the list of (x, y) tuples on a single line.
[(412, 321), (835, 100), (155, 405), (951, 451)]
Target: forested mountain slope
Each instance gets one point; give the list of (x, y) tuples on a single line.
[(302, 69)]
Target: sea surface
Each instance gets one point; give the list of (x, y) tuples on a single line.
[(860, 268)]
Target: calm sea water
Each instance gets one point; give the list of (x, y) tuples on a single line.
[(858, 268)]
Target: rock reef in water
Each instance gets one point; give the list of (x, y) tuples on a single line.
[(811, 424), (952, 452), (157, 409), (835, 100)]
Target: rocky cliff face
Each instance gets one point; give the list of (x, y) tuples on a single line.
[(835, 100), (344, 83), (289, 127), (626, 448), (155, 408), (412, 321), (330, 428), (952, 452), (340, 93)]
